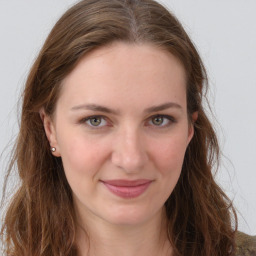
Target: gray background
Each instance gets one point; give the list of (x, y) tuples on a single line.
[(225, 35)]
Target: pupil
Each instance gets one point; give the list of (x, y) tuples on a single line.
[(95, 121), (158, 120)]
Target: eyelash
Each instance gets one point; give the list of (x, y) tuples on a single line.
[(169, 119), (89, 118)]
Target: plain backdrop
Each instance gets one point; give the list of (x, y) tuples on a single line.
[(225, 35)]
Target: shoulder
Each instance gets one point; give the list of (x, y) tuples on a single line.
[(246, 245)]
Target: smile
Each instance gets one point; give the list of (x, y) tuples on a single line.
[(127, 188)]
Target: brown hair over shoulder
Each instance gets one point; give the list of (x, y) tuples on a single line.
[(40, 219)]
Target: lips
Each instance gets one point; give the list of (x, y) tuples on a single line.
[(127, 188)]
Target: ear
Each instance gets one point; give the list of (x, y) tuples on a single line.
[(191, 126), (50, 132)]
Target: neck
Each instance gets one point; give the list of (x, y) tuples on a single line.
[(149, 238)]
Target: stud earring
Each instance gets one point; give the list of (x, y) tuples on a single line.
[(53, 149)]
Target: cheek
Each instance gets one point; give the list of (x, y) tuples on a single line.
[(81, 156), (83, 160), (169, 155), (168, 159)]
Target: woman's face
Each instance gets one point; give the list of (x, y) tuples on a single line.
[(121, 129)]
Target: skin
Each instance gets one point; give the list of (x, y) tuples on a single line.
[(136, 83)]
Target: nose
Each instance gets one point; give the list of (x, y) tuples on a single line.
[(129, 151)]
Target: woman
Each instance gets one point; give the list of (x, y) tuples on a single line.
[(115, 151)]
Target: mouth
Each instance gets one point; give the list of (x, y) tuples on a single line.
[(127, 188)]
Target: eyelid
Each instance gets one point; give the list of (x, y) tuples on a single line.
[(170, 118), (84, 120)]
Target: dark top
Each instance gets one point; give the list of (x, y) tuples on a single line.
[(246, 245)]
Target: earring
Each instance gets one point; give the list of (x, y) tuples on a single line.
[(53, 149)]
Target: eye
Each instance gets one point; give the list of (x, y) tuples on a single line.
[(158, 120), (95, 121), (161, 120)]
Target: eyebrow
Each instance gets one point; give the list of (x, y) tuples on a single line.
[(99, 108), (163, 107), (95, 107)]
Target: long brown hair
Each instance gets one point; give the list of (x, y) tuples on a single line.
[(40, 220)]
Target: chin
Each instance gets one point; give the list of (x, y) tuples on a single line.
[(128, 216)]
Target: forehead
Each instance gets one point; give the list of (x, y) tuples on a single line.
[(125, 72)]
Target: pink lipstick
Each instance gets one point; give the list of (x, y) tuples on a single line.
[(127, 188)]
